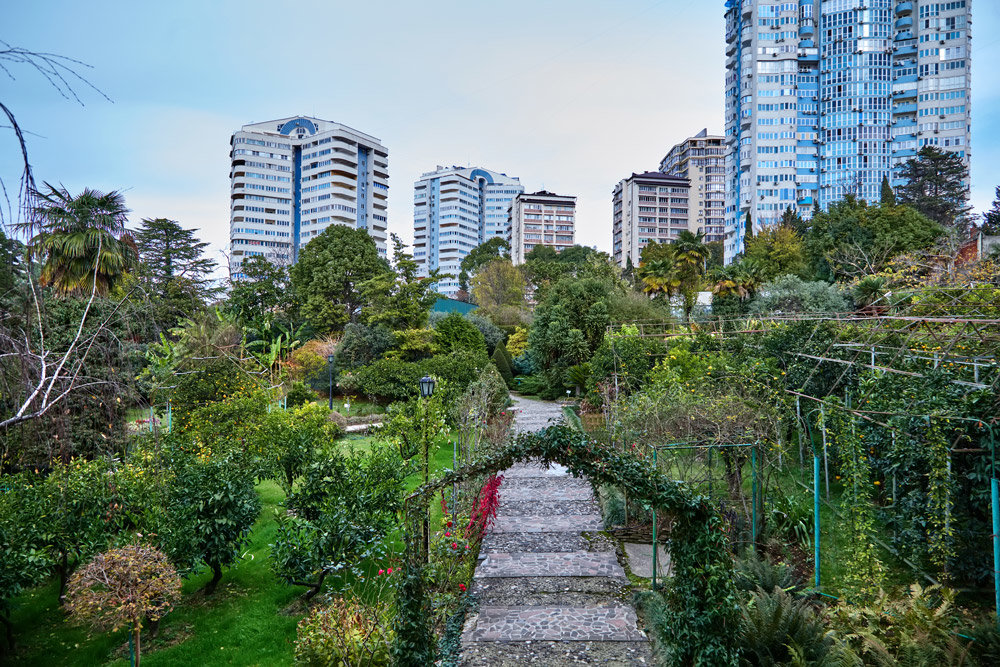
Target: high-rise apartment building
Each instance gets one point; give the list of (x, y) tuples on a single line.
[(647, 207), (294, 177), (540, 218), (702, 160), (454, 210), (826, 98)]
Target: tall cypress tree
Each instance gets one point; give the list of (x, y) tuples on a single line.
[(937, 186), (888, 196), (747, 228), (991, 219)]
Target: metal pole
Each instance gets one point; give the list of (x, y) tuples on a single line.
[(330, 366), (798, 426), (826, 459), (654, 528), (995, 488), (170, 417), (816, 517), (753, 498), (151, 417)]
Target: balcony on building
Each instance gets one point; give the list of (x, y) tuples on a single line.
[(904, 8), (908, 107), (903, 36), (806, 30), (908, 51), (904, 23)]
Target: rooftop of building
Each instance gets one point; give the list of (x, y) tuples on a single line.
[(657, 176), (289, 126), (545, 193)]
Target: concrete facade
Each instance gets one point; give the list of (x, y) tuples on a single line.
[(647, 207), (540, 218), (702, 160)]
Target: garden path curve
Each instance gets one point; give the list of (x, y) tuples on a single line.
[(549, 586)]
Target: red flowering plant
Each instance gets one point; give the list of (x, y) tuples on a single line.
[(452, 563)]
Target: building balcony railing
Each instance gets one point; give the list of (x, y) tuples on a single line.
[(904, 23), (904, 8)]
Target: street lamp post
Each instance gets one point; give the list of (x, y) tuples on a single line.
[(329, 365), (426, 391)]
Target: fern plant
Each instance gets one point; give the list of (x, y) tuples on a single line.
[(778, 629), (753, 572)]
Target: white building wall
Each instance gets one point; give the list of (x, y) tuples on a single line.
[(294, 177)]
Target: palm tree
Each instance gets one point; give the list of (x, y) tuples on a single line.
[(679, 272), (81, 241)]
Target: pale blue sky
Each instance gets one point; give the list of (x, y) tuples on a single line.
[(569, 95)]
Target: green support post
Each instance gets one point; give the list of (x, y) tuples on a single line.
[(151, 417), (170, 417), (816, 516), (995, 488), (753, 498), (654, 527)]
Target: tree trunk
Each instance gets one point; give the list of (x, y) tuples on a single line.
[(9, 631), (63, 569), (136, 633), (311, 593), (216, 576)]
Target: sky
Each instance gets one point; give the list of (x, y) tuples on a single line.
[(568, 95)]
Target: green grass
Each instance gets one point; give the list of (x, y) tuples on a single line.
[(250, 620)]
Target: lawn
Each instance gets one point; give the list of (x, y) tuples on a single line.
[(250, 620)]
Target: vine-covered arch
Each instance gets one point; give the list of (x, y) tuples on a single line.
[(701, 595)]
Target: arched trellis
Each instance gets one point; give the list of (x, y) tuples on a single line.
[(702, 598)]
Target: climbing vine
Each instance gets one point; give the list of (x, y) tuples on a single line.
[(864, 571), (940, 538), (703, 602)]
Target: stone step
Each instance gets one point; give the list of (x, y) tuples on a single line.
[(609, 623), (547, 507), (540, 488), (550, 591), (536, 470), (541, 564), (574, 523), (546, 542), (555, 654)]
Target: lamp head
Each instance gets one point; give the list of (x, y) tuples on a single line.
[(426, 386)]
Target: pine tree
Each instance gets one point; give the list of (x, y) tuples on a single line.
[(937, 186), (888, 196), (173, 270), (167, 251), (991, 219), (747, 228)]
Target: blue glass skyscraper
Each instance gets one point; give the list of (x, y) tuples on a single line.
[(826, 98)]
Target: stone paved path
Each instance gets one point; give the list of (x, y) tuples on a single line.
[(549, 585)]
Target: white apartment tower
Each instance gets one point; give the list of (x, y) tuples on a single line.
[(702, 160), (454, 210), (540, 218), (826, 98), (649, 207), (294, 177)]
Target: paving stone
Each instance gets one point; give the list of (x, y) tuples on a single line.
[(536, 470), (523, 623), (548, 524), (640, 560), (572, 564)]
